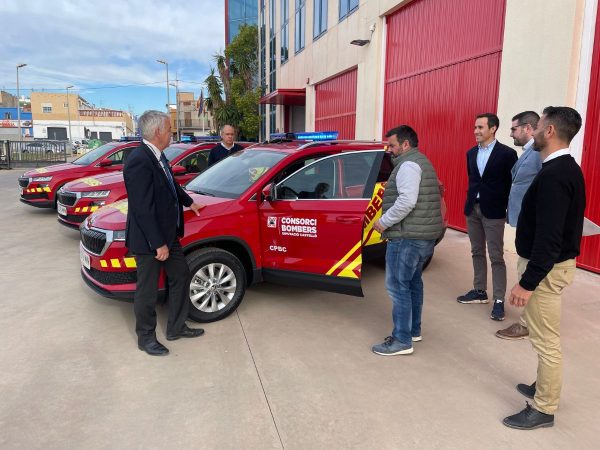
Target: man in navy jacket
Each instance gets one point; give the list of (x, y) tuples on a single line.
[(154, 225), (489, 166)]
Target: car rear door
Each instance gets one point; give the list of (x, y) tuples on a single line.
[(312, 227)]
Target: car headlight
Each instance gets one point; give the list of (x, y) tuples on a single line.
[(41, 179), (95, 194), (119, 235)]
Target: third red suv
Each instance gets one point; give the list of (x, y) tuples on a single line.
[(295, 213)]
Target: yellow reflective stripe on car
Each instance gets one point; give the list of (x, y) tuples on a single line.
[(130, 263), (115, 263), (46, 189), (344, 259), (103, 263), (349, 270)]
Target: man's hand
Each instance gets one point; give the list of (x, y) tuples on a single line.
[(519, 296), (196, 208), (377, 226), (162, 253)]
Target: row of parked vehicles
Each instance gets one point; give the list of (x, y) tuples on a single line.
[(293, 212)]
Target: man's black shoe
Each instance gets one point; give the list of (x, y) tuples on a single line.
[(473, 296), (529, 419), (527, 390), (154, 348), (186, 332)]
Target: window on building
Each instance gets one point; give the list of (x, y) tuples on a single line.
[(285, 31), (240, 12), (272, 48), (300, 25), (347, 7), (319, 18), (262, 47), (46, 109), (272, 119)]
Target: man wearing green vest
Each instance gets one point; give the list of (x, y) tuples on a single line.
[(411, 222)]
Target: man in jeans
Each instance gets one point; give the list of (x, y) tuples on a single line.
[(523, 172), (412, 222)]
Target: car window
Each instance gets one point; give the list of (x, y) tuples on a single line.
[(196, 162), (116, 157), (93, 155), (231, 176), (386, 168), (341, 176)]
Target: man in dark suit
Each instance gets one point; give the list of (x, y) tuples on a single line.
[(226, 147), (154, 225), (489, 166)]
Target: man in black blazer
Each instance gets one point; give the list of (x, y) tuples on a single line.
[(154, 225), (489, 166)]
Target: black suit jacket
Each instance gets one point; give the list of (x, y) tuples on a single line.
[(494, 186), (152, 218)]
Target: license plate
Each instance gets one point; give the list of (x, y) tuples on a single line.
[(62, 209), (85, 258)]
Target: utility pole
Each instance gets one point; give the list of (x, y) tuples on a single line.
[(69, 117), (19, 105), (178, 129), (167, 68)]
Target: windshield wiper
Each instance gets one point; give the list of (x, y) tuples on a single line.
[(204, 193)]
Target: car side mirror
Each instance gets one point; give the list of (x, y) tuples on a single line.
[(106, 163), (178, 170), (268, 192)]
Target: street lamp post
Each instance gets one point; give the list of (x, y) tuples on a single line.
[(19, 103), (69, 117), (167, 68), (176, 86)]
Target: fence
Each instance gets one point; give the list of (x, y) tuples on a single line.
[(32, 153)]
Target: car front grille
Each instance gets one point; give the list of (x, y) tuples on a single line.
[(67, 198), (112, 277), (23, 182), (93, 240), (35, 196), (73, 218)]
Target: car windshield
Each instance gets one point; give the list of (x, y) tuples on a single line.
[(230, 177), (93, 155), (173, 152)]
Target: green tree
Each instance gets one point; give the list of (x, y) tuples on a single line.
[(233, 93)]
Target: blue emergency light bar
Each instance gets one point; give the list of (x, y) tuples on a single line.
[(130, 138), (185, 139), (307, 136)]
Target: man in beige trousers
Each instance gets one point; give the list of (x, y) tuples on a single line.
[(548, 240)]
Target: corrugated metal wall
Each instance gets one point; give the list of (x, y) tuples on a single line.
[(335, 105), (442, 69), (590, 162)]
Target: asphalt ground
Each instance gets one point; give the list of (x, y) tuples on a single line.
[(292, 368)]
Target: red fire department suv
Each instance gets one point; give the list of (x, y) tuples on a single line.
[(79, 198), (39, 186), (295, 213)]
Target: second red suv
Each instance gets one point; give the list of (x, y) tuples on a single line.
[(79, 198)]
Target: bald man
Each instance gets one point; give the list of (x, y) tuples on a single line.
[(226, 147)]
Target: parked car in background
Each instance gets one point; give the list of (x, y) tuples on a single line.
[(43, 147), (38, 187), (295, 213), (79, 198)]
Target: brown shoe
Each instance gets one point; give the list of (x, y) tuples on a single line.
[(514, 332)]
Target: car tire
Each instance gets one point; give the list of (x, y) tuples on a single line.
[(216, 286)]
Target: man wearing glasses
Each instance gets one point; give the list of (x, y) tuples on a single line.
[(523, 173)]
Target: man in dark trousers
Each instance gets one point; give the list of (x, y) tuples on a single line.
[(154, 223), (548, 239), (226, 147), (489, 166), (523, 172)]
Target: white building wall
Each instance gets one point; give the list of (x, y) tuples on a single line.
[(40, 127)]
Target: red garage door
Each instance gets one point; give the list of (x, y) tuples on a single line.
[(590, 162), (335, 105), (442, 69)]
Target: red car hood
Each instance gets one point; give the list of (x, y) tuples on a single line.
[(49, 170), (105, 181), (114, 215)]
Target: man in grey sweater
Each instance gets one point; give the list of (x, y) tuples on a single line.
[(411, 222), (523, 173)]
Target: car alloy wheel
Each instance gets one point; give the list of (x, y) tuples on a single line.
[(217, 284)]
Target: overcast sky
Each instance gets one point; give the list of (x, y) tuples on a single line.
[(96, 45)]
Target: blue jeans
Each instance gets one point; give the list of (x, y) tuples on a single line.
[(404, 261)]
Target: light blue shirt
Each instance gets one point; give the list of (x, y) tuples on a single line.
[(483, 154)]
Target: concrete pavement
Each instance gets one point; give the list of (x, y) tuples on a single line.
[(291, 369)]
